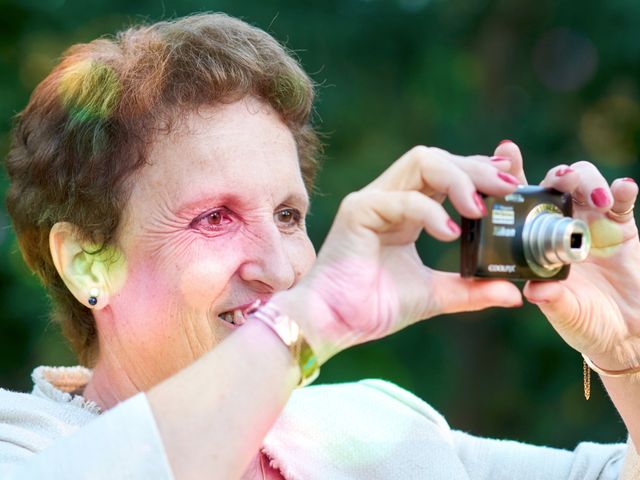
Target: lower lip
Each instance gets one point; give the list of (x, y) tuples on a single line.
[(230, 326)]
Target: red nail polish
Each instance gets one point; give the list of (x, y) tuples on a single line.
[(505, 141), (477, 199), (453, 226), (600, 197), (564, 171), (505, 177), (498, 158), (629, 179)]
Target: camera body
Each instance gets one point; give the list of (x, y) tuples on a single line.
[(526, 235)]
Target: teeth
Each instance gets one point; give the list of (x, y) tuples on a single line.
[(238, 317), (234, 317)]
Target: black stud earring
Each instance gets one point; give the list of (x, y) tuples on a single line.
[(93, 296)]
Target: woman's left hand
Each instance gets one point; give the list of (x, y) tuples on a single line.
[(596, 310)]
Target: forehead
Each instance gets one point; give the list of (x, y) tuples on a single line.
[(239, 147)]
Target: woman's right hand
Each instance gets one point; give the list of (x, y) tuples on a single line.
[(369, 281)]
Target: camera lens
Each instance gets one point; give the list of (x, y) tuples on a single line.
[(576, 240), (551, 240)]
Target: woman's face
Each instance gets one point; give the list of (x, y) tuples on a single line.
[(215, 221)]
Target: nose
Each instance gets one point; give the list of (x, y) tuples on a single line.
[(267, 265)]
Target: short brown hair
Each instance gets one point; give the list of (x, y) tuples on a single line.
[(89, 124)]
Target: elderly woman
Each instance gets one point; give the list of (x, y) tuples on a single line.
[(159, 187)]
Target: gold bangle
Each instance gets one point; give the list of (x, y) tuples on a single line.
[(291, 335), (588, 365), (610, 373)]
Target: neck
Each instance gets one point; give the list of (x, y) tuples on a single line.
[(109, 385)]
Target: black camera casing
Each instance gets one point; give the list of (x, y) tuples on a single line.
[(492, 246)]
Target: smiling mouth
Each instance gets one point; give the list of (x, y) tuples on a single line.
[(234, 317)]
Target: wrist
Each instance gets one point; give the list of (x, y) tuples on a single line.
[(621, 357), (613, 366), (291, 335), (313, 316)]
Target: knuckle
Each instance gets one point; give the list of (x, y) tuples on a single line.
[(352, 202), (355, 202), (424, 155), (419, 151), (584, 164), (413, 199)]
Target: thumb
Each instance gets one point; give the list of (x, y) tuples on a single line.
[(556, 301), (456, 294)]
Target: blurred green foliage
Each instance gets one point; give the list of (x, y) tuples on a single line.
[(560, 78)]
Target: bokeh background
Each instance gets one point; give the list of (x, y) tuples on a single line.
[(559, 78)]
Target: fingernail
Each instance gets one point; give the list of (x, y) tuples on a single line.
[(453, 226), (502, 142), (498, 158), (505, 177), (629, 179), (538, 302), (477, 199), (564, 171), (600, 197)]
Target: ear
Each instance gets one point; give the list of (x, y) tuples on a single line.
[(85, 273)]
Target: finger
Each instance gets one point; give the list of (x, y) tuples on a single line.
[(400, 216), (555, 300), (500, 163), (491, 165), (593, 189), (625, 193), (453, 293), (572, 317), (551, 295), (563, 178), (433, 171), (507, 148), (488, 172)]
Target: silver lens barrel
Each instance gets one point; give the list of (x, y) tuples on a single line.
[(551, 240)]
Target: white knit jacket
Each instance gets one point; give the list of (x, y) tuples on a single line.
[(359, 431)]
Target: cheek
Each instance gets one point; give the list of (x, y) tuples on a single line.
[(158, 307), (201, 282), (184, 285)]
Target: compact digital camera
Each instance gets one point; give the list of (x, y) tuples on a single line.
[(527, 235)]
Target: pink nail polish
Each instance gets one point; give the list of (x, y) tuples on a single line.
[(564, 171), (505, 141), (453, 226), (477, 199), (505, 177), (498, 158), (629, 179), (600, 197)]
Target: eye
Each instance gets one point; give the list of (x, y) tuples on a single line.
[(213, 221), (289, 217)]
